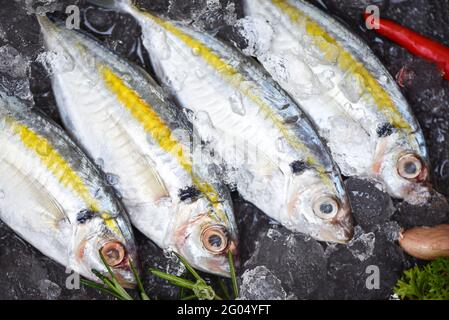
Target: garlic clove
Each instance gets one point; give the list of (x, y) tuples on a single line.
[(426, 243)]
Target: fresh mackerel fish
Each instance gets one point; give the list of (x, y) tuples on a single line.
[(270, 150), (125, 122), (55, 198), (338, 81)]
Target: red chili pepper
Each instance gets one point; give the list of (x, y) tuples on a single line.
[(414, 42)]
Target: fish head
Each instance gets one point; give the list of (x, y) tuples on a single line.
[(103, 241), (207, 236), (405, 174), (318, 206)]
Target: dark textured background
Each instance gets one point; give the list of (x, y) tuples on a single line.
[(275, 263)]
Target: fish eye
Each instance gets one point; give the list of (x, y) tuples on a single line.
[(214, 239), (114, 253), (410, 166), (326, 207)]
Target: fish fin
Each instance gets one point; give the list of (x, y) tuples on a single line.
[(152, 176), (53, 213), (236, 150), (261, 162), (253, 156), (158, 182)]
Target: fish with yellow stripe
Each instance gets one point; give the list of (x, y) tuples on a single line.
[(126, 123), (339, 82), (268, 148), (55, 198)]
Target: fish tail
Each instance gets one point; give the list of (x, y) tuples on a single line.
[(47, 25), (120, 5), (44, 22)]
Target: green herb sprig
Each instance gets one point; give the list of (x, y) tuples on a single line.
[(199, 288), (430, 282), (112, 286)]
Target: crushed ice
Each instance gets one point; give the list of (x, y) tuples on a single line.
[(362, 244)]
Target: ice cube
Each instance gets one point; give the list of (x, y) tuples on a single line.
[(261, 284)]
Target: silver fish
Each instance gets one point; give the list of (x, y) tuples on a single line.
[(57, 200), (122, 119), (338, 81), (271, 151)]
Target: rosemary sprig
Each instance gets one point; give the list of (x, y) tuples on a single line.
[(191, 297), (200, 288), (142, 292), (233, 275), (112, 286), (189, 267), (100, 288), (223, 288)]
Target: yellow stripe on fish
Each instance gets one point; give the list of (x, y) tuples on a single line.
[(238, 81), (159, 131), (323, 40), (58, 166)]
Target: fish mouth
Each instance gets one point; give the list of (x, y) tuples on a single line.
[(126, 283), (233, 249), (348, 230), (419, 193), (344, 224), (340, 234), (221, 266), (347, 236), (124, 272), (123, 280), (125, 277)]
